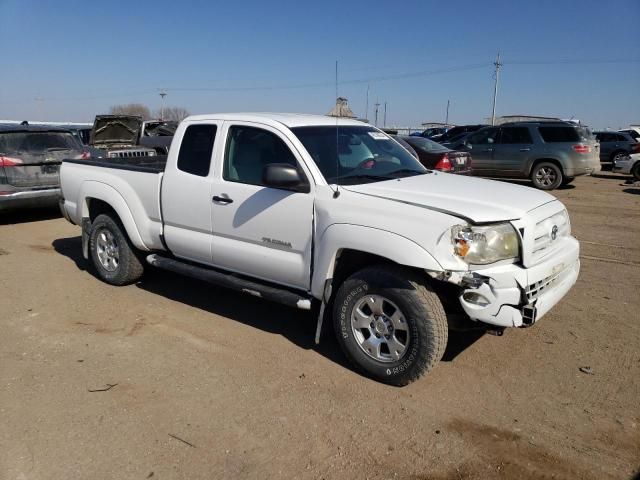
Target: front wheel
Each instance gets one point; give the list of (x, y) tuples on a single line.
[(112, 254), (546, 176), (635, 171), (390, 324)]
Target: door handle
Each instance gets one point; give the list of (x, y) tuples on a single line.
[(218, 199), (488, 150), (525, 149)]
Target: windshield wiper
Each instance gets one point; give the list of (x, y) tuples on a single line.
[(403, 171), (365, 176)]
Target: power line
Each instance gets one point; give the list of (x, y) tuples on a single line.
[(572, 61)]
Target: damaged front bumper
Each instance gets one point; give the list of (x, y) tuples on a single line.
[(514, 296)]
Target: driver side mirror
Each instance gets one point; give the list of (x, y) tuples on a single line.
[(284, 176)]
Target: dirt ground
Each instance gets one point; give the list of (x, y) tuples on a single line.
[(200, 382)]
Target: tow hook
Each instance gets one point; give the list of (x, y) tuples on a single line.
[(529, 314)]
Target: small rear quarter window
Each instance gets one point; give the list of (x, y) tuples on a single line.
[(196, 149)]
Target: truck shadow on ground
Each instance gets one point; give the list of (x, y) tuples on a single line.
[(527, 183), (14, 217), (297, 326)]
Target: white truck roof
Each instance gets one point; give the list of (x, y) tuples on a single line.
[(290, 120)]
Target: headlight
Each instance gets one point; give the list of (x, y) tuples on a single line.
[(481, 245)]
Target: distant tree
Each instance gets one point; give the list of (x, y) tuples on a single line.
[(131, 109), (173, 113)]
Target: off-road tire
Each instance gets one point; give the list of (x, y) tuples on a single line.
[(129, 268), (539, 168), (420, 306)]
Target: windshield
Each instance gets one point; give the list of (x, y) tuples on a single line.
[(354, 154), (425, 144)]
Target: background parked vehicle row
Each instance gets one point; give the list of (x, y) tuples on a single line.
[(550, 154)]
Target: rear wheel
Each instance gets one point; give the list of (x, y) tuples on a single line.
[(390, 324), (112, 254), (546, 176)]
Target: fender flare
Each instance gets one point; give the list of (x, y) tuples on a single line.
[(101, 191), (383, 243)]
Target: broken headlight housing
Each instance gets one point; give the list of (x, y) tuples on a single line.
[(481, 245)]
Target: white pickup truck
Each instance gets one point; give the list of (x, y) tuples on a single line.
[(315, 212)]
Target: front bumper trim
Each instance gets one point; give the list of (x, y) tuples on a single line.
[(507, 303)]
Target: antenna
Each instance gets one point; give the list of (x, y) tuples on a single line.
[(384, 122), (336, 193), (366, 110)]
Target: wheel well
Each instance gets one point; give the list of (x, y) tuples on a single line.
[(550, 160), (350, 261), (98, 207), (615, 152)]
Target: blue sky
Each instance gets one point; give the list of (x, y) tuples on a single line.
[(79, 57)]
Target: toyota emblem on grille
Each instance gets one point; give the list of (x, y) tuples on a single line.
[(554, 232)]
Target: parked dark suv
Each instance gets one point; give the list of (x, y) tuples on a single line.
[(30, 160), (616, 145), (549, 153)]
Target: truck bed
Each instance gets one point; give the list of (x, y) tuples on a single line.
[(155, 164), (130, 185)]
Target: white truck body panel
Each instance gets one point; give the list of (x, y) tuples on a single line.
[(294, 238)]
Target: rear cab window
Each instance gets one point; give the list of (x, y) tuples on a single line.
[(196, 149)]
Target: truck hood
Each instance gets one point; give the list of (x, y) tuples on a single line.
[(118, 129), (473, 199)]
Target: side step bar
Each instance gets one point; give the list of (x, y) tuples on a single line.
[(233, 282)]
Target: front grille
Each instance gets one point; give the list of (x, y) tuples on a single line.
[(548, 231), (131, 153)]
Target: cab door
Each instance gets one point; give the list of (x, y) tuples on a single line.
[(481, 146), (261, 231), (186, 193), (512, 151)]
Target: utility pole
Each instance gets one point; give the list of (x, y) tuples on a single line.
[(376, 105), (163, 94), (366, 110), (384, 122), (446, 121), (495, 88)]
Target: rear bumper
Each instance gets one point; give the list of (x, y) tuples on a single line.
[(577, 171), (514, 296), (30, 198), (624, 165)]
